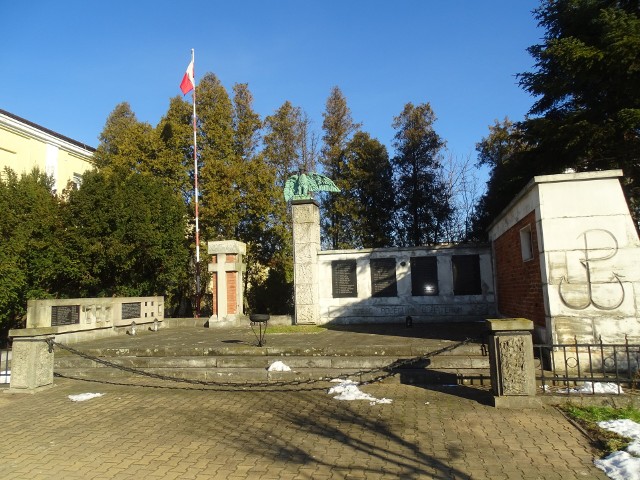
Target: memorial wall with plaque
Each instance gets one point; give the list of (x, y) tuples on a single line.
[(131, 310), (383, 277), (424, 276), (466, 275), (344, 279), (65, 315)]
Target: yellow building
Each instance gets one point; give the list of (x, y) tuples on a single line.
[(25, 145)]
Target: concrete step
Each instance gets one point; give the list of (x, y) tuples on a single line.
[(362, 362), (471, 349)]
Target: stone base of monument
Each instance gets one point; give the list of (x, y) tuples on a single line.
[(31, 364), (513, 380)]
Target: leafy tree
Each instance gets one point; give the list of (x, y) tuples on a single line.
[(175, 131), (338, 207), (260, 228), (221, 167), (289, 147), (369, 186), (423, 204)]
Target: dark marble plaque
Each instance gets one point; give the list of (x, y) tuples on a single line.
[(344, 279), (65, 315), (424, 276), (130, 310), (383, 277), (466, 275)]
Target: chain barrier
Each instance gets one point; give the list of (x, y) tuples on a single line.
[(386, 371)]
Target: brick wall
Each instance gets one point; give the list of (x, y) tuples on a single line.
[(214, 292), (232, 293), (519, 283)]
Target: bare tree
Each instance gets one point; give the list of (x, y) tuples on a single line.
[(463, 188)]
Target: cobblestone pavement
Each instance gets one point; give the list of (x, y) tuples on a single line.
[(176, 433)]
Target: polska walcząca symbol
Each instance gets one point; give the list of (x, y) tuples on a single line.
[(588, 297)]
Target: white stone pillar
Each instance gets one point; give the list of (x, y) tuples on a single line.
[(227, 268), (306, 245)]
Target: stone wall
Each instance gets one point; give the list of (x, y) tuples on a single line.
[(387, 285)]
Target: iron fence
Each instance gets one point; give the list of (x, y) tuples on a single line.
[(588, 368), (5, 366)]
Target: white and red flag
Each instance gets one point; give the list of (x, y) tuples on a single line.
[(188, 82)]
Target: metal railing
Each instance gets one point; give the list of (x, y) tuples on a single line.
[(587, 368), (5, 366)]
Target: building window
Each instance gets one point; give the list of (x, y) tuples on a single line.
[(76, 180), (466, 275), (526, 243), (424, 276), (344, 280), (383, 277)]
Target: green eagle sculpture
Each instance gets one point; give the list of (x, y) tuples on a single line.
[(300, 187)]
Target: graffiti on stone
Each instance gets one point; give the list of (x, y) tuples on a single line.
[(599, 246)]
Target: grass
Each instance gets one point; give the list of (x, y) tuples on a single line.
[(589, 416), (296, 329)]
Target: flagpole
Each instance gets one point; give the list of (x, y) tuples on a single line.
[(195, 169)]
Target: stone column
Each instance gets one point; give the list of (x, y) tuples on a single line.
[(306, 245), (227, 267), (513, 379), (31, 363)]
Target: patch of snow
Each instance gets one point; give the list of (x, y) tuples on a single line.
[(590, 388), (348, 390), (5, 376), (278, 367), (81, 397), (623, 465)]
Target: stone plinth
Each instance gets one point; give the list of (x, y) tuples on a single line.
[(31, 364), (227, 268), (306, 245), (511, 358)]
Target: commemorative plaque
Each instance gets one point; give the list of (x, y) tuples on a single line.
[(424, 276), (383, 277), (466, 275), (65, 315), (130, 310), (343, 278)]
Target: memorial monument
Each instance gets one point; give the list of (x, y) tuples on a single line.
[(305, 213)]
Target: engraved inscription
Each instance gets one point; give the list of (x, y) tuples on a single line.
[(343, 278), (383, 277), (65, 315), (130, 310)]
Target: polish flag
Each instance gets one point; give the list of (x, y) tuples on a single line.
[(187, 83)]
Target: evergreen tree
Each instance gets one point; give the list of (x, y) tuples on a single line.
[(586, 115), (37, 258), (369, 177), (129, 234), (423, 204), (338, 207), (502, 151)]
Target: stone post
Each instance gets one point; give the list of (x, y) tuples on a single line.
[(31, 363), (227, 267), (306, 245), (513, 379)]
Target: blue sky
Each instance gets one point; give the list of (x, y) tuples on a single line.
[(67, 64)]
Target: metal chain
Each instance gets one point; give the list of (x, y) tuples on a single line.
[(388, 370)]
